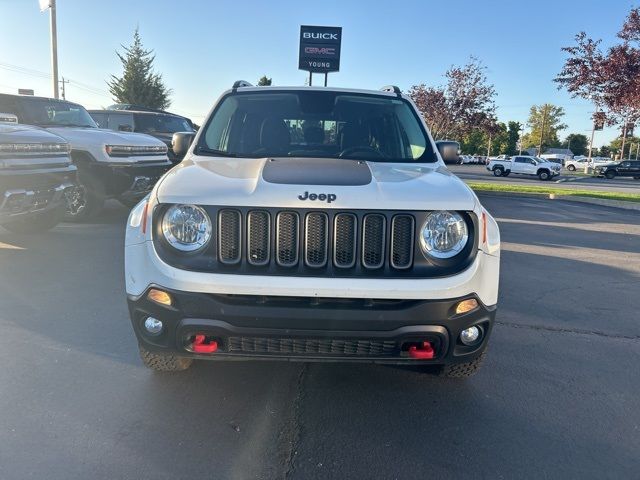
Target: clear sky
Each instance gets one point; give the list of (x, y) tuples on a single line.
[(202, 46)]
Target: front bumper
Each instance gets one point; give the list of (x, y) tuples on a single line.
[(311, 328), (133, 180), (30, 191)]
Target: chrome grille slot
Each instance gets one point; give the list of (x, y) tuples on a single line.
[(229, 242), (258, 237), (287, 239), (345, 237), (402, 241), (316, 239), (373, 240)]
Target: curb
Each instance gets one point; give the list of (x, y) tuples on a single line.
[(568, 198)]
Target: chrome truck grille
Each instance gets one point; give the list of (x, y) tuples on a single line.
[(315, 239)]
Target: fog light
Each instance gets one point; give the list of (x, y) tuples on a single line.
[(158, 296), (153, 325), (470, 335), (466, 306)]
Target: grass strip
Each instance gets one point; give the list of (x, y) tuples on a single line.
[(543, 190)]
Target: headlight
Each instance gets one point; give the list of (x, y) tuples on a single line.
[(443, 235), (132, 151), (34, 148), (186, 227)]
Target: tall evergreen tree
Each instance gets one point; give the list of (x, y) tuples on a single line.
[(139, 84), (264, 81)]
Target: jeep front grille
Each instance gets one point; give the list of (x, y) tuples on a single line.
[(311, 234)]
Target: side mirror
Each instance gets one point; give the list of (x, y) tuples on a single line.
[(125, 128), (180, 143), (448, 152)]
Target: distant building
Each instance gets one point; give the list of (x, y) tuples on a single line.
[(559, 151)]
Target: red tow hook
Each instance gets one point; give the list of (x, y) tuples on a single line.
[(199, 345), (422, 351)]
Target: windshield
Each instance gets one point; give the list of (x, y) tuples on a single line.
[(46, 112), (316, 124), (157, 123)]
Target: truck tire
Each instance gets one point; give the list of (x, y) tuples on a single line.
[(498, 171), (85, 200), (162, 362), (38, 223), (544, 175), (571, 168), (462, 370), (506, 174), (610, 174)]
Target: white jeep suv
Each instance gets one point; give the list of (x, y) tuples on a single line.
[(314, 224)]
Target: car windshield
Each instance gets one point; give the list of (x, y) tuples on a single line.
[(316, 124), (46, 112), (158, 123)]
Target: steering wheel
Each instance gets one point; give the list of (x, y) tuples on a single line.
[(361, 148)]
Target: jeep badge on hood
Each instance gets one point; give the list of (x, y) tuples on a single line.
[(323, 197)]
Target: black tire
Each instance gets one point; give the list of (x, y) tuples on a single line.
[(129, 202), (610, 174), (506, 174), (163, 362), (498, 171), (544, 175), (462, 370), (35, 223), (85, 200), (571, 168)]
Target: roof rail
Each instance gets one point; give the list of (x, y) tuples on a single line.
[(392, 88), (240, 83)]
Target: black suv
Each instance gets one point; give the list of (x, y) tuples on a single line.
[(626, 168), (157, 123)]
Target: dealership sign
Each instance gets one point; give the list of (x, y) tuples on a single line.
[(320, 49)]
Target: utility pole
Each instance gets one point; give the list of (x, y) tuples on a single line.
[(624, 137), (593, 131), (544, 120), (489, 147), (51, 5), (62, 82), (521, 135)]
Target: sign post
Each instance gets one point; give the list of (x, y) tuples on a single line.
[(319, 50)]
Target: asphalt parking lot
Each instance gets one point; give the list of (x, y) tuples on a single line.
[(557, 397), (566, 179)]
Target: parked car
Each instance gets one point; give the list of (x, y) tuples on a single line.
[(524, 165), (467, 160), (348, 243), (158, 124), (626, 168), (119, 165), (579, 163), (35, 174)]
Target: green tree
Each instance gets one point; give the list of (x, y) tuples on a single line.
[(577, 143), (603, 151), (547, 116), (630, 145), (264, 81), (139, 84), (513, 135)]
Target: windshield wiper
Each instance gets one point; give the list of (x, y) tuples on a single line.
[(212, 151)]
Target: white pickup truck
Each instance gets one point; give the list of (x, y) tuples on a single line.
[(524, 165)]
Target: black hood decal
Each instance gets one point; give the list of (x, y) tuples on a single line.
[(316, 171)]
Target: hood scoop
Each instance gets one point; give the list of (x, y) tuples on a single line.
[(316, 171)]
